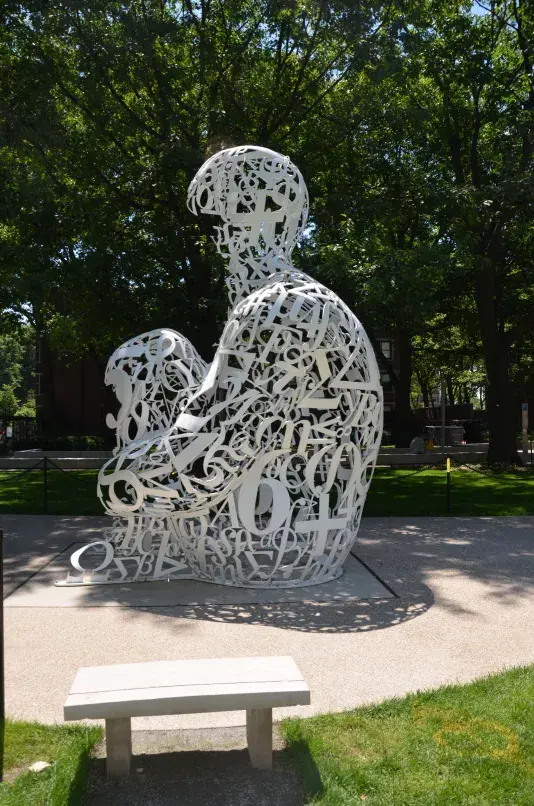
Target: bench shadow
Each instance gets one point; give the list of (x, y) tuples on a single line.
[(299, 756), (189, 778), (78, 783)]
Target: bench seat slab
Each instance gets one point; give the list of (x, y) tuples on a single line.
[(185, 687)]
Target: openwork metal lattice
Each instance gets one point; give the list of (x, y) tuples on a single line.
[(251, 471)]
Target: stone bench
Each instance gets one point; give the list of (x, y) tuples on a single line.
[(118, 693)]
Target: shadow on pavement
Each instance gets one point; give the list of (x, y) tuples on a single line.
[(32, 541), (363, 616), (425, 561), (217, 778)]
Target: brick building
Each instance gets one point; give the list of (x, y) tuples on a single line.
[(70, 396)]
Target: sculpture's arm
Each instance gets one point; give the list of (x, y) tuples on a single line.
[(200, 458), (153, 375)]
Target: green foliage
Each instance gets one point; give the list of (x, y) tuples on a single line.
[(8, 400), (17, 369), (81, 443), (469, 744), (107, 114), (446, 350), (428, 216), (413, 123), (27, 409)]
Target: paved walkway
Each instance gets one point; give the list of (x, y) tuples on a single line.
[(464, 608)]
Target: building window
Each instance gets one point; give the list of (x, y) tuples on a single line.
[(38, 383), (386, 345)]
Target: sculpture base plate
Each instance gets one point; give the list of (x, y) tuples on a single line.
[(89, 578), (356, 583)]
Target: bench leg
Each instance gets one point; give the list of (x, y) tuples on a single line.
[(118, 746), (260, 737)]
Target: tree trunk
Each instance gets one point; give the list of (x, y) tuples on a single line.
[(426, 395), (500, 409), (405, 425), (425, 390), (450, 390), (467, 399), (499, 403)]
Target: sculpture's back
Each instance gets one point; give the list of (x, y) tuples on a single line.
[(299, 427), (261, 478)]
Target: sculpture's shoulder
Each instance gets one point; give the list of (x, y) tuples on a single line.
[(294, 295)]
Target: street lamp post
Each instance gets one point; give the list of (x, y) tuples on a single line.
[(443, 402), (2, 690)]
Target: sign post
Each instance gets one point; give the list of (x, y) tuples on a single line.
[(2, 690), (524, 428), (448, 483), (443, 410)]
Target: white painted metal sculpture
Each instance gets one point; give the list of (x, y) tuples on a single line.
[(251, 471)]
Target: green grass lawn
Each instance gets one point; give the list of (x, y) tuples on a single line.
[(65, 747), (458, 746), (69, 493), (397, 491), (394, 491)]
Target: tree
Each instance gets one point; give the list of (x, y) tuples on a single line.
[(476, 91), (447, 351), (376, 239), (108, 113), (435, 192), (412, 122), (17, 372), (8, 400)]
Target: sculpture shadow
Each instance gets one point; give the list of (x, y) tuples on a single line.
[(412, 556), (493, 555), (494, 552), (35, 545), (321, 617), (217, 778)]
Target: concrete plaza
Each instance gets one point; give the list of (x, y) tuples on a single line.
[(425, 601)]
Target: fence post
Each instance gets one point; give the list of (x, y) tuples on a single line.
[(2, 689), (448, 483), (45, 485)]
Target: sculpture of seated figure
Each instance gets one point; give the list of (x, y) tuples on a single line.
[(252, 471)]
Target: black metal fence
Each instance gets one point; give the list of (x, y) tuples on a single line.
[(44, 465), (448, 463), (24, 429), (76, 481)]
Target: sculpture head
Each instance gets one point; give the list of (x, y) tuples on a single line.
[(261, 198)]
